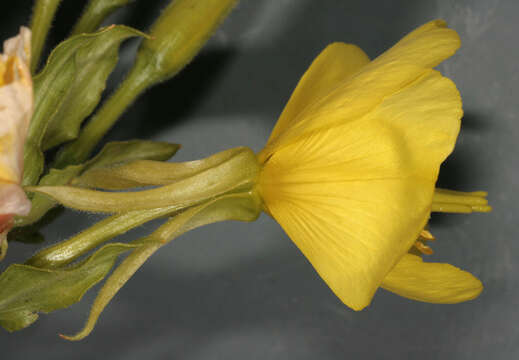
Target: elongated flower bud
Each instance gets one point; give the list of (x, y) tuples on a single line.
[(178, 34)]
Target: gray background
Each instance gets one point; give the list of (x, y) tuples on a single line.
[(243, 291)]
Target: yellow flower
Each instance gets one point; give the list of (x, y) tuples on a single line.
[(350, 168), (16, 104)]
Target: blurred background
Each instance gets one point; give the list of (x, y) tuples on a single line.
[(244, 291)]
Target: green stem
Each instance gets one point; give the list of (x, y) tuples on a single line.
[(80, 149), (95, 12), (42, 16)]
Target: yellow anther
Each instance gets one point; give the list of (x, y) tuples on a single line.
[(424, 249), (426, 234)]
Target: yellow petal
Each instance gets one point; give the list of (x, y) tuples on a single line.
[(16, 103), (395, 69), (431, 282), (333, 66), (354, 197)]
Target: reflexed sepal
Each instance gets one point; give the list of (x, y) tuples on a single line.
[(236, 173), (141, 173), (69, 250), (112, 154), (240, 207)]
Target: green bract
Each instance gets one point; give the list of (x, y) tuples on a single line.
[(240, 207), (68, 89), (42, 16), (175, 38)]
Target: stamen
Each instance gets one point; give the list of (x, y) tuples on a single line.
[(460, 202), (424, 249), (426, 234)]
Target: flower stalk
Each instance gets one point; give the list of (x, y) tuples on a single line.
[(79, 150), (43, 13), (95, 12)]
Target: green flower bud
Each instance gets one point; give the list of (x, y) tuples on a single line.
[(178, 34)]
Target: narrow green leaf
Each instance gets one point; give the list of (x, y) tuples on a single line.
[(26, 290)]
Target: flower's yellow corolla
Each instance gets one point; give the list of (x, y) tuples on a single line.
[(16, 104), (350, 168)]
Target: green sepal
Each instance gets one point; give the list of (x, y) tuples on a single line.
[(240, 207), (113, 153), (68, 89), (122, 152), (95, 12), (141, 173), (26, 290), (67, 251), (40, 205), (237, 172)]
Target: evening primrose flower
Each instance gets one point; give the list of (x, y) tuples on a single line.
[(16, 103), (350, 168)]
